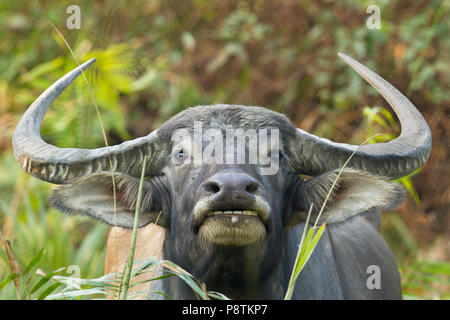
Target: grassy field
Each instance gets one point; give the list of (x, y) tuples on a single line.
[(156, 58)]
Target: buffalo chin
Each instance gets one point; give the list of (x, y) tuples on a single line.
[(232, 230)]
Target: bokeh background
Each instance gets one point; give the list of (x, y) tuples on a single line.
[(156, 58)]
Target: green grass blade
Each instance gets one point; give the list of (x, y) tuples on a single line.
[(127, 276), (49, 290), (163, 294), (44, 280), (191, 283), (164, 276), (186, 277), (8, 279), (217, 295), (310, 248), (291, 283), (89, 282), (76, 294), (145, 264), (34, 260)]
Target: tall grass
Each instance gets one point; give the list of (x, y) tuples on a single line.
[(41, 237)]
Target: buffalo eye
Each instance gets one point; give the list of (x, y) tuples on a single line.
[(179, 156)]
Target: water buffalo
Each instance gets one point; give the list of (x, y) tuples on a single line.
[(235, 224)]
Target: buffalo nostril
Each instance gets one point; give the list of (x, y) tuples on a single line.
[(251, 187), (212, 187), (231, 185)]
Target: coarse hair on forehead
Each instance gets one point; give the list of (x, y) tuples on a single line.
[(223, 116)]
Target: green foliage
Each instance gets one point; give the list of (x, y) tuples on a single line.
[(384, 119), (242, 26), (424, 277), (108, 285), (34, 226)]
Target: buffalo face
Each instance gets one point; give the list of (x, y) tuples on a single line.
[(222, 201)]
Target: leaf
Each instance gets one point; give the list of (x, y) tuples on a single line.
[(8, 279), (76, 294), (311, 246), (163, 294), (49, 290), (217, 295), (409, 186), (146, 264), (46, 278), (34, 260), (186, 277), (164, 276), (91, 282), (41, 69), (390, 119), (304, 247)]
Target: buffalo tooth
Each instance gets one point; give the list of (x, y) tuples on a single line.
[(228, 212), (237, 212)]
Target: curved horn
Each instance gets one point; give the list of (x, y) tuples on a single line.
[(58, 165), (394, 159)]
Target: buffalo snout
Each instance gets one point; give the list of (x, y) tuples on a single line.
[(237, 188)]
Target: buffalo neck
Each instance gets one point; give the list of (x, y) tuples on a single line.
[(247, 272)]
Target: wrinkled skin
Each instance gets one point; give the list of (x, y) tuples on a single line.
[(237, 270)]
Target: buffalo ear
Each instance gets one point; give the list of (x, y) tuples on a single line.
[(355, 192), (93, 196)]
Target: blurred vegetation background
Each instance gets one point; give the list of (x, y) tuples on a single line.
[(156, 58)]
